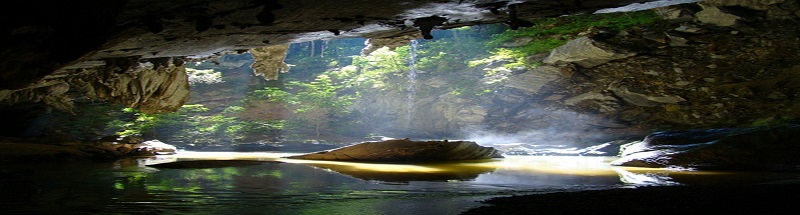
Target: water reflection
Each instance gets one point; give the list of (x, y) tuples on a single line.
[(405, 172), (314, 187)]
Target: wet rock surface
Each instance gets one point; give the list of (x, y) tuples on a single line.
[(406, 151), (757, 148), (604, 149), (54, 150)]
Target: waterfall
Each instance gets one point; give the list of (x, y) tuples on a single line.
[(412, 79)]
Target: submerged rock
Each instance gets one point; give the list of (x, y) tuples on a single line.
[(406, 151), (756, 148)]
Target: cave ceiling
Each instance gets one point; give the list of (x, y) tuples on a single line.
[(41, 38)]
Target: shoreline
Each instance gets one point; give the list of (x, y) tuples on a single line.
[(735, 199)]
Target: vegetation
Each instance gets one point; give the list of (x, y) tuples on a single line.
[(549, 33), (314, 103), (188, 125)]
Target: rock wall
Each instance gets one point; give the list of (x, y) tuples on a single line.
[(155, 86), (151, 88), (689, 71)]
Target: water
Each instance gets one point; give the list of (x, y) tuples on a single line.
[(412, 79), (318, 187)]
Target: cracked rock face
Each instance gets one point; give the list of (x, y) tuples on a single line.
[(45, 44), (269, 61)]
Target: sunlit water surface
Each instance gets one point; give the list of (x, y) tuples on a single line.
[(319, 187)]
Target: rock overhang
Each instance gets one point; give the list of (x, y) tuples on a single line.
[(45, 41)]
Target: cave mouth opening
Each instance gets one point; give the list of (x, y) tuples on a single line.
[(576, 118), (460, 85)]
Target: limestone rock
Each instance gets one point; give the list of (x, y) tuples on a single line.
[(586, 53), (643, 100), (715, 16), (52, 93), (373, 44), (534, 80), (406, 151), (148, 87), (269, 61), (756, 148), (751, 4), (154, 147)]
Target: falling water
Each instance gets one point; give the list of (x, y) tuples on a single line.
[(412, 79)]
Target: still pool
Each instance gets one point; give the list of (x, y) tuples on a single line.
[(129, 186)]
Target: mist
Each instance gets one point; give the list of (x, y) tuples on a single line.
[(562, 129)]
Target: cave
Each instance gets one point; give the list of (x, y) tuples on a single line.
[(209, 106)]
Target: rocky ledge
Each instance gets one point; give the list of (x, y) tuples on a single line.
[(406, 151), (109, 148), (753, 148)]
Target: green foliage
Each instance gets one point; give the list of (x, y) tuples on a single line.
[(207, 76), (452, 51), (193, 124), (313, 103), (372, 71), (310, 59), (772, 121), (273, 94), (549, 33)]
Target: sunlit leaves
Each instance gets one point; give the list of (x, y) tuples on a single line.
[(200, 76), (371, 71), (315, 102), (549, 33)]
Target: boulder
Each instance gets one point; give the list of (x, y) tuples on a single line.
[(153, 147), (717, 16), (586, 52), (406, 151), (753, 148), (534, 80)]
